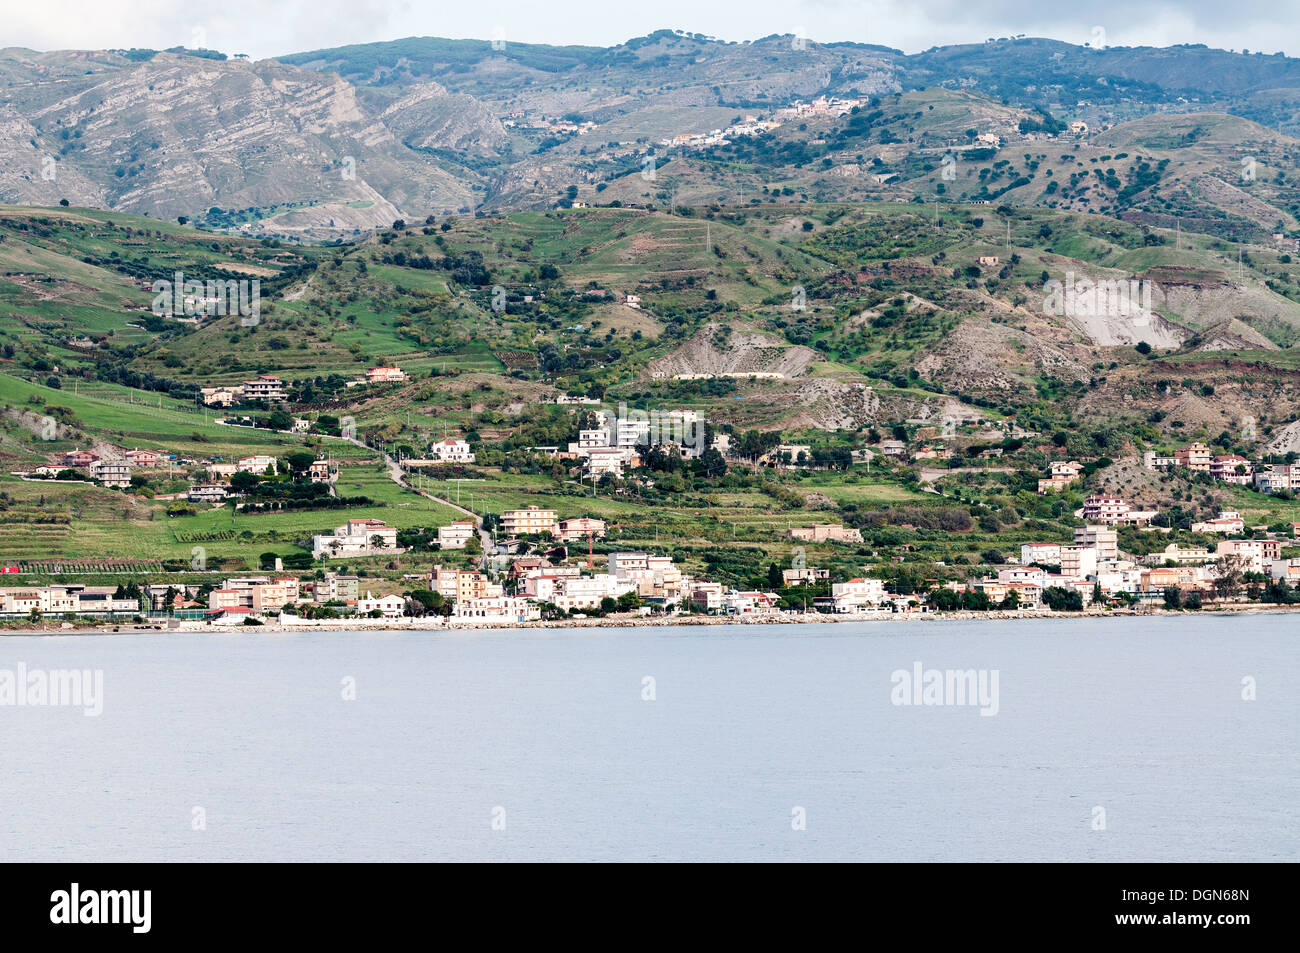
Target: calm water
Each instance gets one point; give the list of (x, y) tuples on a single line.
[(548, 731)]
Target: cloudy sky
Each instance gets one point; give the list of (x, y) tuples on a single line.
[(265, 28)]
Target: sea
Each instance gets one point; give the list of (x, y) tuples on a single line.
[(1133, 739)]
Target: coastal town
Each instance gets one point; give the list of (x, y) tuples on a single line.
[(538, 565)]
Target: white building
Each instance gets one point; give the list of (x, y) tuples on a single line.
[(857, 595), (456, 535), (496, 609), (1103, 538), (1048, 554), (451, 451), (390, 606), (357, 538)]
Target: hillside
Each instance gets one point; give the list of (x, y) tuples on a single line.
[(333, 144)]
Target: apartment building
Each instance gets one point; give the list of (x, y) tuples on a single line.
[(456, 535), (336, 588), (578, 528), (857, 595), (1256, 554), (1048, 554), (1196, 458), (111, 473), (1078, 562), (1104, 539), (531, 521), (1114, 511), (1278, 477), (461, 585), (264, 388)]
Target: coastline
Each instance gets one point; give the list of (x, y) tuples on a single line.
[(425, 624)]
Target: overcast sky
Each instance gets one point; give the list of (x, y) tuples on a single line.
[(266, 28)]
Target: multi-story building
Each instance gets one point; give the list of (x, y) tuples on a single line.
[(1196, 458), (750, 602), (1232, 469), (706, 596), (1064, 473), (1078, 562), (1256, 554), (456, 535), (857, 594), (1182, 577), (531, 521), (264, 388), (336, 588), (578, 528), (111, 473), (1047, 554), (1023, 574), (1103, 538), (601, 461), (270, 595), (225, 599), (1274, 479), (1114, 511), (259, 463), (1288, 570), (319, 471), (461, 585), (803, 577)]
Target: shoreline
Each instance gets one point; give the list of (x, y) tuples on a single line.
[(425, 624)]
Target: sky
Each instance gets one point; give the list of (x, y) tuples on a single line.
[(267, 28)]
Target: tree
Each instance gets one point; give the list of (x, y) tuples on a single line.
[(243, 481), (774, 577), (474, 546), (1228, 576), (1060, 599), (1173, 597), (299, 462)]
